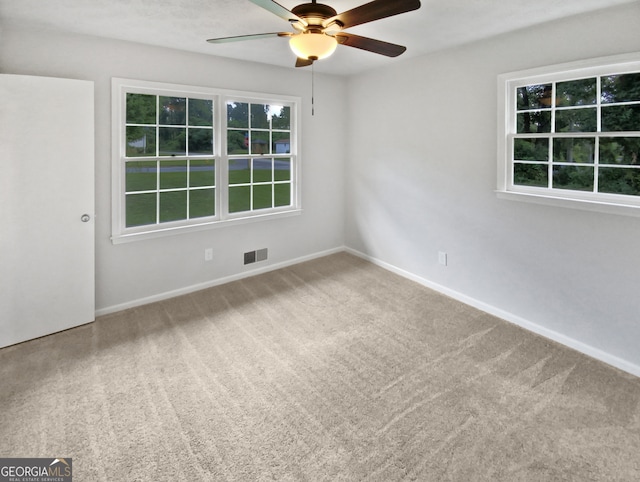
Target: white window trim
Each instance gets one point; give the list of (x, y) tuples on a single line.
[(507, 84), (119, 88)]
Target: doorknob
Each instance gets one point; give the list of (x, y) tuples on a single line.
[(85, 218)]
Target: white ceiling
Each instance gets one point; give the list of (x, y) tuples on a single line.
[(186, 24)]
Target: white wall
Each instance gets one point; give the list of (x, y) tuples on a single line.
[(421, 177), (129, 273)]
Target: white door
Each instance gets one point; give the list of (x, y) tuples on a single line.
[(47, 268)]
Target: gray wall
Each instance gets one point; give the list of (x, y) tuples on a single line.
[(127, 274), (421, 178)]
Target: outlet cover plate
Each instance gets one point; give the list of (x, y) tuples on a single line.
[(442, 258)]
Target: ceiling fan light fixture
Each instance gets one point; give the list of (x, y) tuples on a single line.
[(312, 45)]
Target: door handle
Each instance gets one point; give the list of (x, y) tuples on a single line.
[(85, 218)]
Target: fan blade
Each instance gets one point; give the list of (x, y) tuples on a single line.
[(256, 36), (372, 45), (303, 62), (278, 10), (373, 11)]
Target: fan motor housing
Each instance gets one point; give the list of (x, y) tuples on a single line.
[(314, 10)]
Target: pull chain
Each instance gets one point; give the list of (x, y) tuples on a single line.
[(312, 90)]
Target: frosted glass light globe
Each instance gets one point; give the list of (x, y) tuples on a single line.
[(313, 46)]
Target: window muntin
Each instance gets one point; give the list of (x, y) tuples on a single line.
[(573, 134), (187, 157)]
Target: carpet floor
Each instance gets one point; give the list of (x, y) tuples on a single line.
[(332, 369)]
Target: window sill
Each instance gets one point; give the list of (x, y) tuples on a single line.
[(585, 205), (172, 231)]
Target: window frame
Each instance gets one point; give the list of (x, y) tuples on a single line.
[(507, 126), (120, 87)]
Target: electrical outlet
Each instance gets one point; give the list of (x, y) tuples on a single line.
[(208, 254), (442, 258)]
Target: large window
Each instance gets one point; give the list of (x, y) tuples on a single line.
[(572, 134), (193, 158)]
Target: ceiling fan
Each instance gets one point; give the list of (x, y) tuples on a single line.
[(318, 28)]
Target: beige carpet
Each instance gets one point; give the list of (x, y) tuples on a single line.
[(333, 369)]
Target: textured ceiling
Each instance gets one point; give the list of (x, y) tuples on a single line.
[(186, 24)]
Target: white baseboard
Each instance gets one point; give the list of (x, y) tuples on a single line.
[(577, 345), (211, 283)]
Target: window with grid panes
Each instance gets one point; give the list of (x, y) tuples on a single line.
[(573, 134), (259, 153), (169, 165), (191, 157)]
